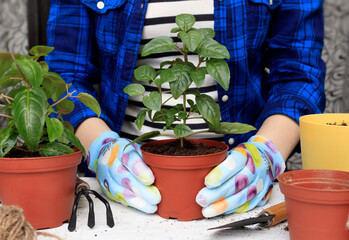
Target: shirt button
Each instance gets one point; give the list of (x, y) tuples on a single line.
[(231, 141), (225, 98), (271, 2), (100, 5)]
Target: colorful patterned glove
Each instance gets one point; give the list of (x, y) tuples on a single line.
[(122, 174), (243, 180)]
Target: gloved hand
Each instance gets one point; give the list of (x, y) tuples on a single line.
[(243, 180), (122, 174)]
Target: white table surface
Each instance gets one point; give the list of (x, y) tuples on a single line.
[(133, 224)]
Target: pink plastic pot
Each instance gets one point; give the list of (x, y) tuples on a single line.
[(317, 203)]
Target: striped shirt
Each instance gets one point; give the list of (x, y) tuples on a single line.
[(159, 20)]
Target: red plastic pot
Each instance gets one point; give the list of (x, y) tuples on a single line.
[(317, 203), (43, 187), (180, 178)]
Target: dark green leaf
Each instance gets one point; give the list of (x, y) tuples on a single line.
[(182, 130), (54, 85), (207, 32), (54, 149), (140, 118), (5, 62), (160, 116), (8, 139), (144, 137), (29, 108), (164, 63), (191, 39), (32, 71), (169, 121), (11, 78), (231, 128), (68, 126), (193, 92), (182, 115), (90, 102), (209, 109), (65, 107), (191, 102), (153, 101), (73, 140), (219, 70), (198, 76), (183, 81), (158, 45), (185, 21), (145, 73), (134, 89), (40, 50), (212, 49), (166, 75)]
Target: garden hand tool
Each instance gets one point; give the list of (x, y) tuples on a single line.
[(243, 180), (121, 172), (267, 218), (82, 188)]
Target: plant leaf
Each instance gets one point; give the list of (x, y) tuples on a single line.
[(73, 140), (182, 130), (198, 76), (65, 107), (134, 89), (219, 70), (183, 81), (153, 101), (29, 108), (44, 66), (166, 75), (193, 92), (8, 139), (191, 39), (158, 45), (185, 21), (231, 128), (90, 102), (212, 49), (175, 29), (32, 71), (54, 128), (140, 118), (207, 32), (209, 109), (144, 137), (8, 80), (5, 62), (54, 149), (160, 116), (145, 73), (54, 85), (40, 50)]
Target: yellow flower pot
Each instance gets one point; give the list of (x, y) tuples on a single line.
[(325, 146)]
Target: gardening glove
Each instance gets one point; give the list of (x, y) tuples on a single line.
[(243, 180), (122, 174)]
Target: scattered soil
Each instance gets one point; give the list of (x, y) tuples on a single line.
[(286, 228), (338, 124), (189, 149)]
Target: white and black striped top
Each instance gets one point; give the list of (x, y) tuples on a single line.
[(159, 20)]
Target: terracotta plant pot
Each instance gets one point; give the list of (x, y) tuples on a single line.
[(324, 146), (180, 178), (317, 203), (43, 187)]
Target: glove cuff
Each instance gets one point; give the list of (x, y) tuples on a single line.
[(271, 153), (96, 147)]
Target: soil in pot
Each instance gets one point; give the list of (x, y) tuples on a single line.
[(174, 148)]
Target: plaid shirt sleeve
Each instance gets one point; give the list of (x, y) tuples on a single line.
[(296, 80), (69, 30)]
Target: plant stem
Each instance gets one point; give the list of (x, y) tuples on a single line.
[(66, 96), (20, 71), (182, 142), (166, 101), (4, 115), (200, 61), (184, 107), (203, 131)]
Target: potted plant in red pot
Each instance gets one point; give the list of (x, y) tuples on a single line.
[(181, 164), (39, 154)]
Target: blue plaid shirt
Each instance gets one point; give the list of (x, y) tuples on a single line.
[(284, 36)]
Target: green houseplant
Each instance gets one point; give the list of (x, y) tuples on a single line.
[(39, 152), (178, 197)]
